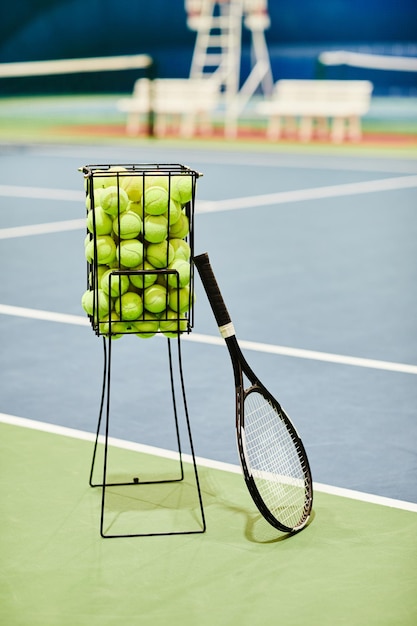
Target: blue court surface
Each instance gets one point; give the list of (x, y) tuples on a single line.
[(312, 253), (315, 253)]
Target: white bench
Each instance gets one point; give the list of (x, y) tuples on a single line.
[(315, 102), (185, 103)]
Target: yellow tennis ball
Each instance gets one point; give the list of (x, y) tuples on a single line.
[(114, 285), (174, 212), (180, 229), (156, 179), (102, 249), (155, 298), (182, 188), (180, 300), (96, 196), (112, 326), (129, 306), (114, 200), (181, 276), (130, 252), (155, 200), (160, 255), (155, 228), (147, 326), (107, 177), (182, 249), (103, 180), (171, 324), (128, 225), (94, 277), (144, 278), (133, 185), (96, 303), (99, 222), (136, 207)]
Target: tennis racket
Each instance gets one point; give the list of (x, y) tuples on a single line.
[(273, 459)]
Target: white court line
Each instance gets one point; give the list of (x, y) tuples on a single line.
[(207, 206), (64, 431), (41, 193), (299, 353), (315, 193), (42, 229), (46, 316)]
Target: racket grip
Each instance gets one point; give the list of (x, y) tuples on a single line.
[(211, 287)]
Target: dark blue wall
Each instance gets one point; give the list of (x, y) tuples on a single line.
[(50, 29)]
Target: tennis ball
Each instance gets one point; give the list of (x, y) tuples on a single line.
[(96, 302), (130, 252), (144, 279), (114, 200), (155, 298), (171, 324), (155, 200), (136, 207), (116, 328), (180, 229), (155, 228), (114, 285), (174, 212), (181, 188), (129, 306), (147, 326), (155, 179), (133, 185), (94, 277), (108, 177), (128, 225), (99, 222), (182, 274), (182, 249), (96, 197), (103, 180), (161, 279), (160, 254), (179, 299), (105, 249)]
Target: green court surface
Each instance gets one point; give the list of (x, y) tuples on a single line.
[(355, 563)]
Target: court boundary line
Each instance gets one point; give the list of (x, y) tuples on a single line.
[(204, 206), (64, 431), (61, 226), (300, 353)]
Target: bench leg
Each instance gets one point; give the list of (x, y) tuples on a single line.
[(187, 125), (290, 125), (160, 124), (338, 129), (205, 123), (274, 127), (133, 124), (306, 128), (322, 127), (354, 128)]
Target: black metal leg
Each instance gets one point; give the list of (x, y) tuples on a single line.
[(105, 407), (103, 391)]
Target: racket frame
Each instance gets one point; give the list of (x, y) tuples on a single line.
[(241, 368)]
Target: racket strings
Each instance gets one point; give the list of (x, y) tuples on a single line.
[(275, 461)]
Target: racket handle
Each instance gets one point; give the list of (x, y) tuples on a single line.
[(211, 287)]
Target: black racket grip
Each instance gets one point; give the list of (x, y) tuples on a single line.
[(211, 287)]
